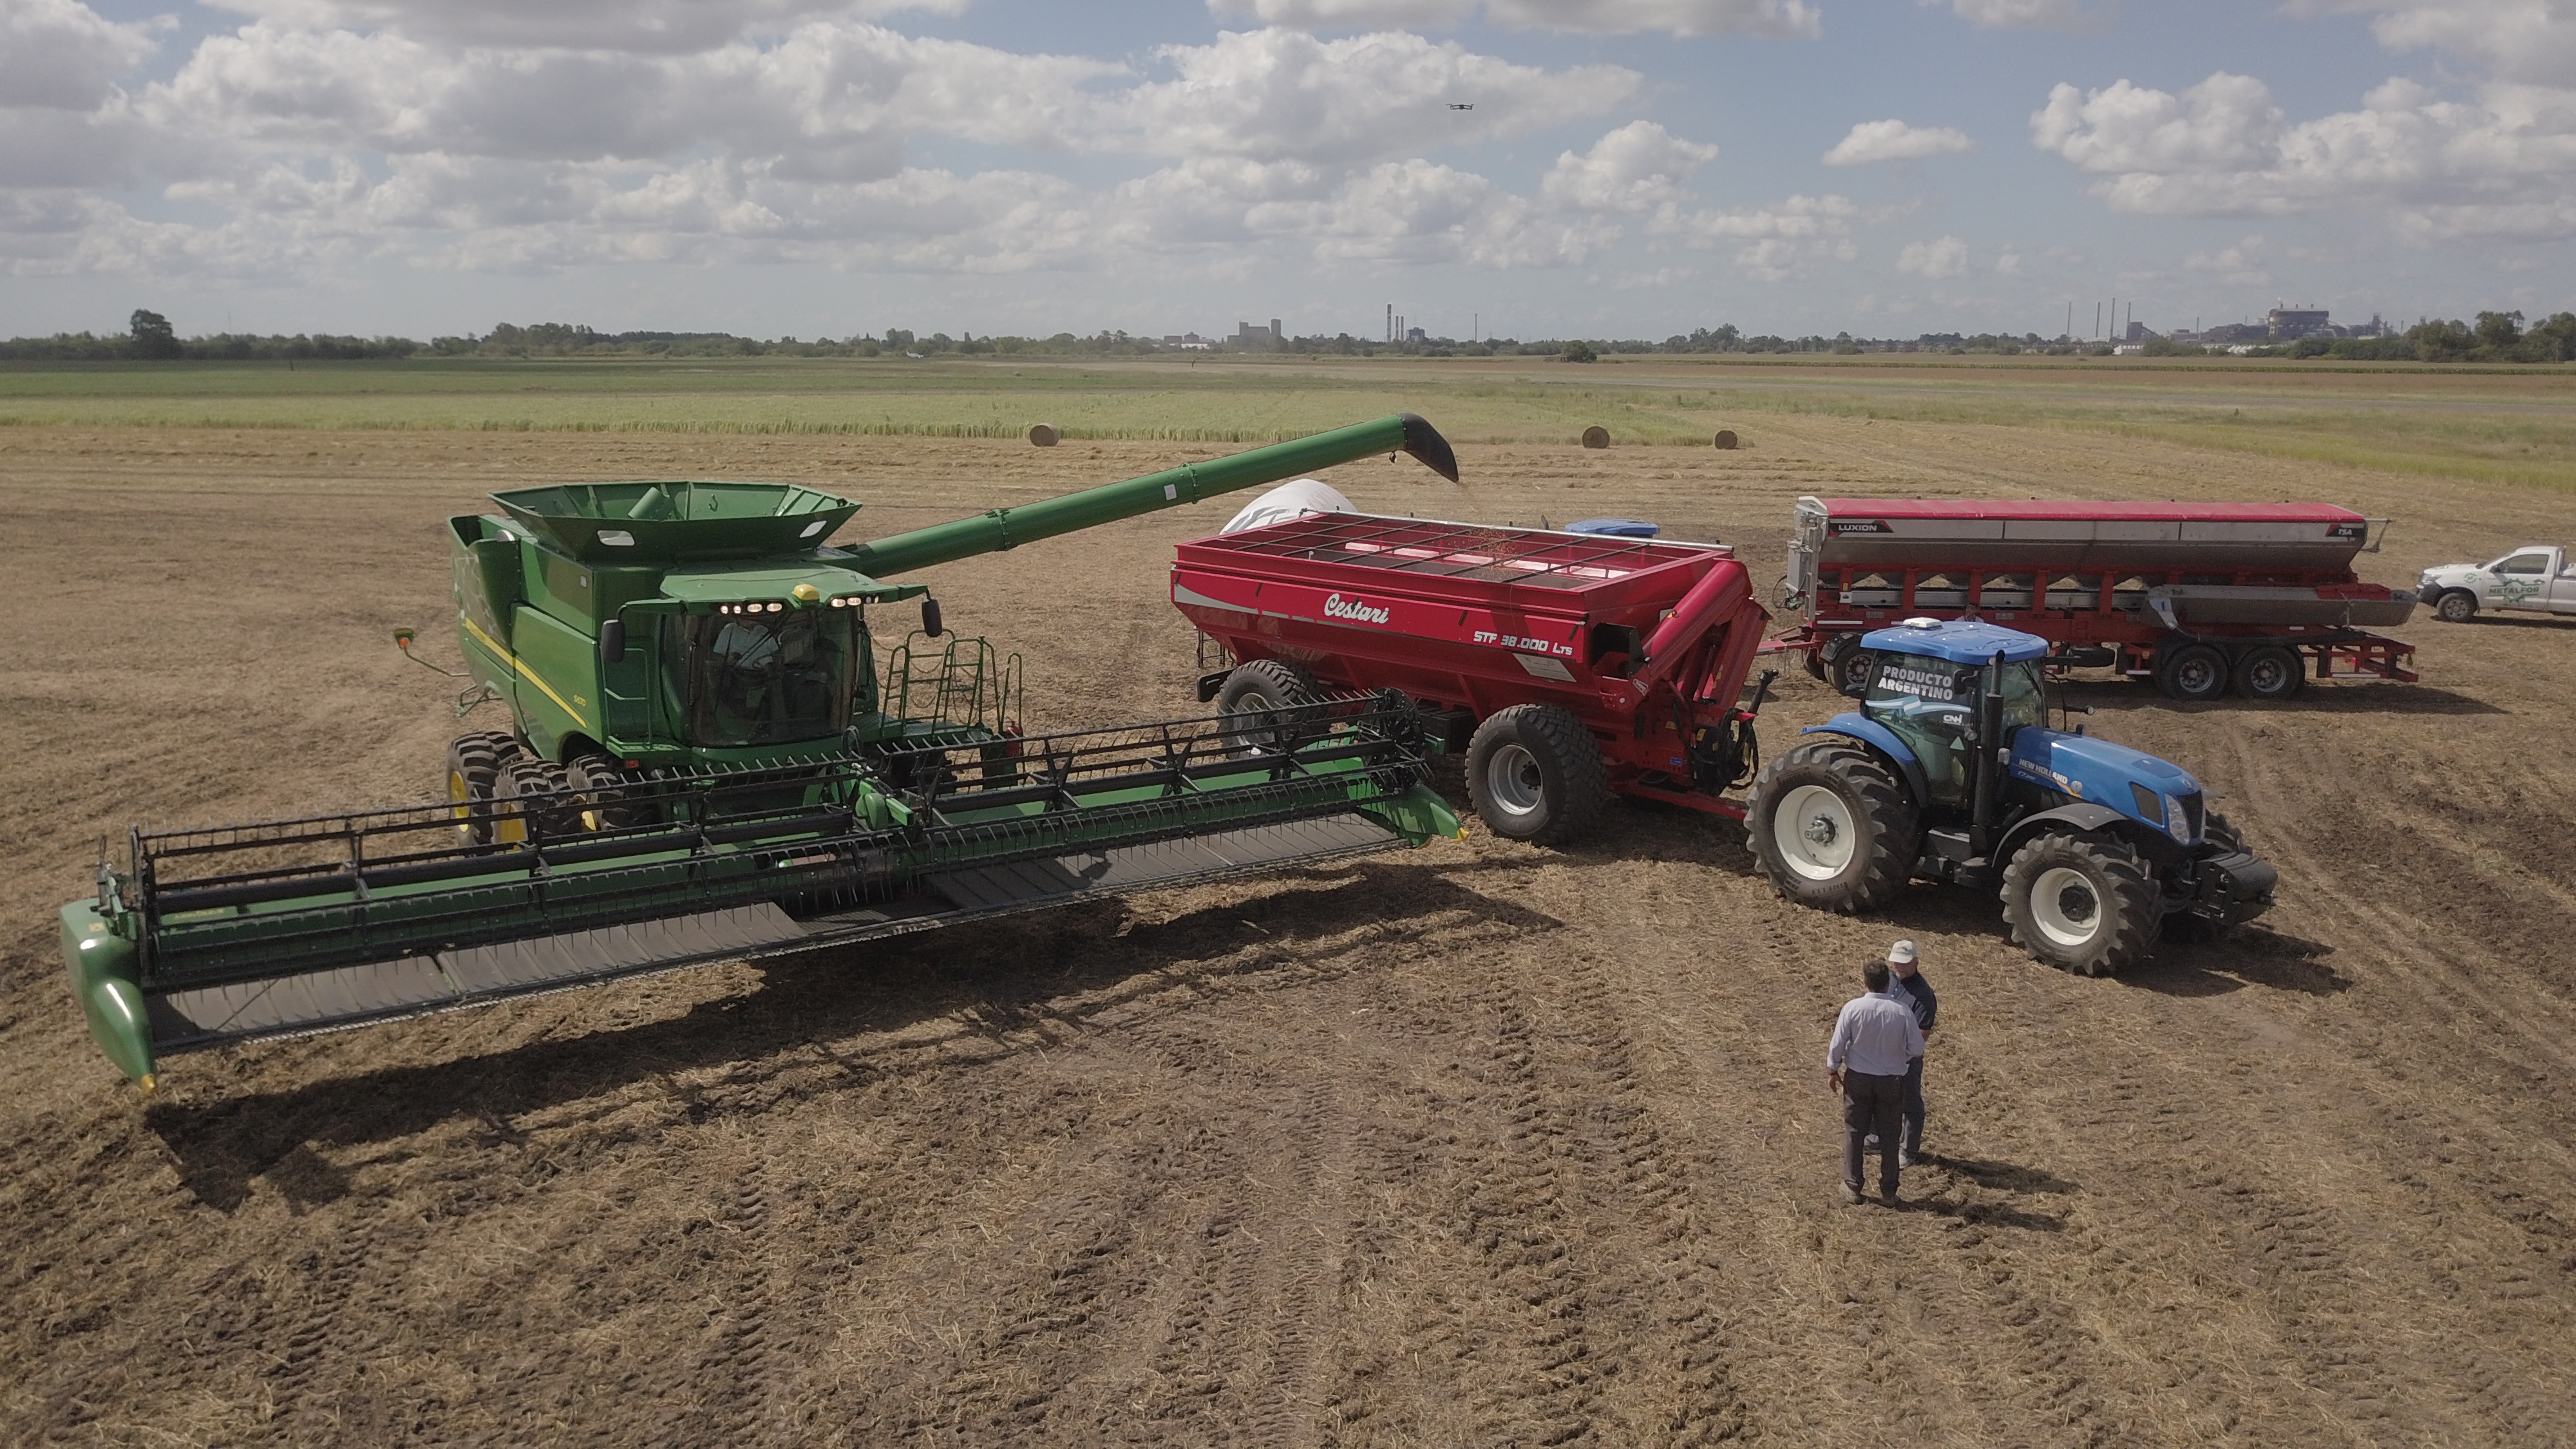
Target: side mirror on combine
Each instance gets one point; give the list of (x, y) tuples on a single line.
[(930, 620), (612, 641)]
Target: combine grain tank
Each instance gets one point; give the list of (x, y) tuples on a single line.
[(1571, 666), (2198, 597)]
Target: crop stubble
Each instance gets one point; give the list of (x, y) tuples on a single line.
[(1475, 1145)]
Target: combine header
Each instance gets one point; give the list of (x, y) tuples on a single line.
[(706, 764)]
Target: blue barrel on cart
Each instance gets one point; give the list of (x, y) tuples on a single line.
[(1615, 527)]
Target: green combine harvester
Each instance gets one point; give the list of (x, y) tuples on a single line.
[(705, 763)]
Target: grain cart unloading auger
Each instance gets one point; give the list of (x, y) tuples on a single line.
[(704, 765)]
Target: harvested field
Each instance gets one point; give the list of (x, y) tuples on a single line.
[(1475, 1145)]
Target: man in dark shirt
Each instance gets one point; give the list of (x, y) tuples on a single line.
[(1907, 984)]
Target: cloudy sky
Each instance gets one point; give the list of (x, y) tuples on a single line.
[(1527, 167)]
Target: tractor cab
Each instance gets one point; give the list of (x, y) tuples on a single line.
[(1925, 683)]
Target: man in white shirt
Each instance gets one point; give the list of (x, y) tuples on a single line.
[(1875, 1041)]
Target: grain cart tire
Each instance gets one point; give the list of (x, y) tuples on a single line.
[(521, 801), (1252, 699), (1849, 670), (2270, 671), (2458, 606), (2191, 671), (1832, 827), (1536, 775), (2081, 901), (609, 798), (474, 764)]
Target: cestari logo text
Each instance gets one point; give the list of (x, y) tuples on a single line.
[(1335, 606)]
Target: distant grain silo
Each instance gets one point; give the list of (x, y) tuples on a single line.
[(1043, 435), (1596, 436), (1726, 438)]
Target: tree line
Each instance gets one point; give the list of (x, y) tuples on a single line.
[(2493, 337)]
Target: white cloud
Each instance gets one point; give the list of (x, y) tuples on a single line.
[(2008, 263), (1945, 257), (665, 26), (1896, 141), (2240, 265), (62, 55), (2502, 165), (1635, 168), (1785, 19), (2035, 14), (1272, 94), (2531, 41), (1786, 239)]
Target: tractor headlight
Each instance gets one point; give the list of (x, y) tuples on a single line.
[(2177, 820)]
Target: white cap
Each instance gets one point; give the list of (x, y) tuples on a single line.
[(1901, 954)]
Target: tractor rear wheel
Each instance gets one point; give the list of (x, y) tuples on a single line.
[(1833, 827), (2458, 606), (2191, 671), (1266, 707), (2081, 901), (474, 765), (608, 796), (2270, 671), (533, 793), (1536, 775)]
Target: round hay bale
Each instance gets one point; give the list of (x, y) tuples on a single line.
[(1596, 436), (1042, 435), (1726, 438)]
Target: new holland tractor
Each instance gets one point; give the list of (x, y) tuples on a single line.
[(705, 762), (1950, 771)]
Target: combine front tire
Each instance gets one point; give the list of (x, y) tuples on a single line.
[(608, 798), (1536, 775), (1265, 706), (1832, 827), (2081, 901), (533, 792), (474, 765)]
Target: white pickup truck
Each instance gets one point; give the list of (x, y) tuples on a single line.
[(2536, 577)]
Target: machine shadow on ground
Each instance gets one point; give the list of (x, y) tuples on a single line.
[(2353, 697), (995, 978)]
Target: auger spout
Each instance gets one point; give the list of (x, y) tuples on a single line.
[(1005, 528)]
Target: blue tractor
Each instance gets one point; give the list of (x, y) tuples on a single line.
[(1951, 772)]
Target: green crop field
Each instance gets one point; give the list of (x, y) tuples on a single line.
[(2503, 425)]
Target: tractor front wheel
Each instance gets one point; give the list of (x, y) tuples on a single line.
[(1833, 827), (1267, 707), (2081, 901), (474, 765), (1535, 774)]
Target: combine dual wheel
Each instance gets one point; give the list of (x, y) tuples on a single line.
[(474, 766), (1536, 775), (2080, 901), (1832, 827)]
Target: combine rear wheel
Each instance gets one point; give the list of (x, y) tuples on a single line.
[(1536, 775), (533, 792), (1832, 827), (1261, 704), (2080, 901), (474, 765)]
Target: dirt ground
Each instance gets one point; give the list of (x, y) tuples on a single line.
[(1476, 1145)]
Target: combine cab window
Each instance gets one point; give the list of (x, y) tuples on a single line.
[(772, 679)]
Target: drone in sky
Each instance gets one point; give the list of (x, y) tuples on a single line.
[(1462, 105)]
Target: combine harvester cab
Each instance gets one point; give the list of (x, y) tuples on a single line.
[(705, 764), (1950, 772), (2199, 598)]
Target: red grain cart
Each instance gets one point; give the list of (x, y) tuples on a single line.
[(1571, 666), (2198, 597)]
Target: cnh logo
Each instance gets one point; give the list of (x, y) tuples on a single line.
[(1337, 607)]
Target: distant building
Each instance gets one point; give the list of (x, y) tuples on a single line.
[(1414, 334), (2283, 325), (1189, 342), (2137, 332), (1247, 335)]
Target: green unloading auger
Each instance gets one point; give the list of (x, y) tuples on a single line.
[(702, 767)]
